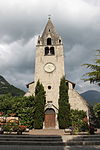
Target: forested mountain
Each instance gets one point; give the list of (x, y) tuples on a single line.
[(7, 88), (91, 96)]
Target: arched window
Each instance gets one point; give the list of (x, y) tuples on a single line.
[(52, 52), (46, 50), (59, 41), (48, 41), (38, 41)]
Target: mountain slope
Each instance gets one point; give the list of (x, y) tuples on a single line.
[(91, 96), (6, 88)]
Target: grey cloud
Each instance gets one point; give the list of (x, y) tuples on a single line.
[(21, 22)]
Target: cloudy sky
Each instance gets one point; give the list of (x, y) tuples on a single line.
[(21, 21)]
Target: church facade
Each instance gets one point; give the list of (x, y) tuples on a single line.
[(49, 69)]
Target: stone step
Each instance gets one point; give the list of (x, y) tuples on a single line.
[(90, 136), (36, 143), (30, 139), (31, 136), (86, 139), (49, 140), (50, 143), (46, 132), (72, 143)]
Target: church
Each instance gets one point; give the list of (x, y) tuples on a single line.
[(49, 69)]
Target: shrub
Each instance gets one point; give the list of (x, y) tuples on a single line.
[(78, 121), (23, 107)]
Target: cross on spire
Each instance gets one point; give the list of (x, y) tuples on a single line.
[(49, 16)]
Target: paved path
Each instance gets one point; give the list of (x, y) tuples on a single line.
[(12, 147)]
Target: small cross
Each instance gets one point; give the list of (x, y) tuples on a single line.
[(49, 16)]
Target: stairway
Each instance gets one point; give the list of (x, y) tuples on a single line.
[(84, 140), (50, 140), (36, 140)]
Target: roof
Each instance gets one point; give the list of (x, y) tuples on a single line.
[(70, 82), (49, 31), (27, 85)]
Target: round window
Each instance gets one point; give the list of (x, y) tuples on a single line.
[(49, 87)]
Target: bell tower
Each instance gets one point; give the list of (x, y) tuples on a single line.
[(49, 66)]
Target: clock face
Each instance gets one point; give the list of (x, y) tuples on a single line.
[(49, 67)]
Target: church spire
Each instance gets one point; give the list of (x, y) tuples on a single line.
[(49, 32)]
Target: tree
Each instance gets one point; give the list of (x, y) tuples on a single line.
[(23, 107), (40, 100), (6, 102), (94, 75), (64, 106), (96, 109)]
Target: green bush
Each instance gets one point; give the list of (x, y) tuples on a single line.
[(23, 107), (77, 119)]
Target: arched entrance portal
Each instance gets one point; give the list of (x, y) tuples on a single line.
[(49, 118)]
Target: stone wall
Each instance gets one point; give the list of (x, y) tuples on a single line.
[(77, 102)]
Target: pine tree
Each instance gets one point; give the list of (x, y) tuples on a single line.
[(94, 75), (40, 100), (64, 106)]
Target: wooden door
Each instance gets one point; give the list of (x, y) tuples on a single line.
[(49, 118)]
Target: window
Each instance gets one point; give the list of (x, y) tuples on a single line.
[(46, 50), (49, 51), (49, 101), (59, 41), (52, 51), (48, 41), (38, 41), (49, 87)]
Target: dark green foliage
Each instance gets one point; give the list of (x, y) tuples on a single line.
[(64, 106), (30, 110), (6, 102), (96, 109), (92, 116), (6, 88), (94, 75), (23, 107), (77, 118), (40, 100)]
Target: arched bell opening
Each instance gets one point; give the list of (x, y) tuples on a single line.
[(48, 41), (52, 52), (46, 50)]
